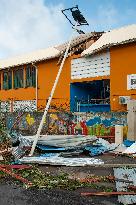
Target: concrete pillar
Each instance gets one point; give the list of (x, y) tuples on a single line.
[(118, 134), (131, 120)]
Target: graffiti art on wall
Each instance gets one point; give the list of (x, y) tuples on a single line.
[(99, 124)]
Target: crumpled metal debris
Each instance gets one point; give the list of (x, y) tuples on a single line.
[(106, 144), (56, 160), (22, 148), (66, 141), (99, 147)]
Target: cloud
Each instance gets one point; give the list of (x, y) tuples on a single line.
[(26, 25), (109, 16), (106, 18)]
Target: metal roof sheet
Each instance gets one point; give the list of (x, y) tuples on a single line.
[(114, 37), (35, 56)]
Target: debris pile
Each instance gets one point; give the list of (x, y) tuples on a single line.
[(70, 151), (60, 149)]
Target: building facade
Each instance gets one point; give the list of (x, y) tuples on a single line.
[(26, 81), (104, 79)]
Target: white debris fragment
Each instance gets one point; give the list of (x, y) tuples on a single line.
[(105, 143), (131, 149), (120, 149), (1, 158)]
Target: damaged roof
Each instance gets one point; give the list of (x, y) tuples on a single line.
[(35, 56), (77, 40), (44, 54), (114, 37)]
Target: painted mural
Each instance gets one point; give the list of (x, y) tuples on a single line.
[(99, 124)]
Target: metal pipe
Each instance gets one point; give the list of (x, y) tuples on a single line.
[(51, 95), (36, 86)]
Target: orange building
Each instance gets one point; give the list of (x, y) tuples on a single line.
[(26, 81), (123, 65), (106, 73)]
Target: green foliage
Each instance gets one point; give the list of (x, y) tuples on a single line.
[(61, 181)]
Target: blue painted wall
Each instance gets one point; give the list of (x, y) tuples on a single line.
[(81, 91), (78, 92)]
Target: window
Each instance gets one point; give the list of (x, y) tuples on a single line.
[(19, 78), (30, 76), (7, 80)]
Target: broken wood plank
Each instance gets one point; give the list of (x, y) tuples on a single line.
[(15, 166), (107, 193), (99, 179), (16, 176), (112, 165), (133, 188)]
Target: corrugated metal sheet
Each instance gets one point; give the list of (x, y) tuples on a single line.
[(39, 55), (93, 66), (114, 37)]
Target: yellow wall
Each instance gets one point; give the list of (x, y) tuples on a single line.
[(123, 62)]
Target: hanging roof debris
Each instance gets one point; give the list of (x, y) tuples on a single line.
[(78, 39), (114, 37)]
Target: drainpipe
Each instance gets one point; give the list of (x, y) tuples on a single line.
[(36, 87)]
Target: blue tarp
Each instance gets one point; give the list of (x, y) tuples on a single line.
[(95, 150), (128, 143), (50, 148), (49, 155)]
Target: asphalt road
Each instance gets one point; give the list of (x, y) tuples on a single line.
[(14, 195), (11, 194)]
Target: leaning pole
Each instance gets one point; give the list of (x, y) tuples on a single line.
[(79, 20)]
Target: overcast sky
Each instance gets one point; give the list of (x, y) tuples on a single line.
[(27, 25)]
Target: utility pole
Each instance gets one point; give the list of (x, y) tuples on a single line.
[(79, 20)]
